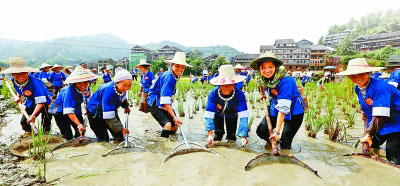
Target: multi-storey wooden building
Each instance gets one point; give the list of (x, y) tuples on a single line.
[(377, 41), (333, 40)]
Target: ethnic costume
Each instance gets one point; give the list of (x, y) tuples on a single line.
[(106, 77), (57, 78), (146, 80), (285, 98), (103, 111), (34, 91), (226, 110), (161, 93), (382, 99), (380, 103)]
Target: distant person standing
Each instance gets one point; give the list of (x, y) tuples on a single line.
[(57, 78), (134, 74), (107, 76), (205, 74)]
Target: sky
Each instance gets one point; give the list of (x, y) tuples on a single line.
[(244, 25)]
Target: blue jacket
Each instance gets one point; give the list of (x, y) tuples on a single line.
[(394, 79), (106, 77), (288, 100), (163, 89), (236, 107), (72, 100), (381, 99), (57, 79), (146, 80), (35, 92), (105, 102), (58, 102), (44, 75)]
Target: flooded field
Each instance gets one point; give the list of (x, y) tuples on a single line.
[(85, 165)]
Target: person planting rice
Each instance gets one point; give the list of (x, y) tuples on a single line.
[(146, 80), (67, 108), (57, 77), (161, 92), (103, 106), (37, 96), (380, 103), (286, 103), (226, 104), (320, 82)]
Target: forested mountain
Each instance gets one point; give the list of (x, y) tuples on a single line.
[(372, 23), (74, 50)]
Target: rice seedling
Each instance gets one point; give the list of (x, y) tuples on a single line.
[(203, 102), (197, 105), (316, 126), (181, 111), (252, 117), (38, 150), (190, 112)]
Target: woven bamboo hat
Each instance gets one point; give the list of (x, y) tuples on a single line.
[(255, 64), (180, 59), (44, 65), (227, 76), (80, 75), (68, 68), (143, 63), (238, 66), (18, 65), (57, 66), (358, 66)]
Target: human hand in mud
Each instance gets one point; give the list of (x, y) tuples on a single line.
[(177, 121), (124, 132), (367, 139), (127, 110), (140, 94), (244, 141), (17, 100), (365, 148), (81, 129), (31, 119), (210, 139), (274, 137)]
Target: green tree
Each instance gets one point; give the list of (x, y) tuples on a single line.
[(157, 64), (345, 48), (217, 63), (321, 40)]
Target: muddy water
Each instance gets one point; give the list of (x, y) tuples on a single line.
[(86, 166)]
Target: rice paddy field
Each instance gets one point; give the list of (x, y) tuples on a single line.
[(331, 129)]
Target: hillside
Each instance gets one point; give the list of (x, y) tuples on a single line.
[(372, 23), (74, 50)]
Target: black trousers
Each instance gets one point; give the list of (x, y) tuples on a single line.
[(289, 130), (100, 128), (64, 124), (392, 146), (231, 125), (45, 122), (161, 115), (134, 77)]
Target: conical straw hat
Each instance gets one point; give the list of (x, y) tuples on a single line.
[(44, 65), (18, 65), (358, 66), (227, 76), (143, 63), (80, 75), (255, 64), (69, 68), (180, 59), (57, 66), (238, 66)]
